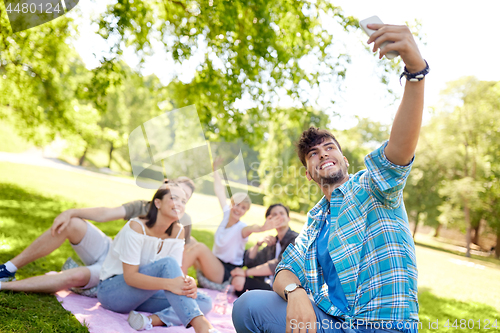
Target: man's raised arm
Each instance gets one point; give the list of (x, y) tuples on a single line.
[(406, 126)]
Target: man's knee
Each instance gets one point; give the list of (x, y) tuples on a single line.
[(76, 229), (76, 277), (244, 311), (248, 305), (256, 309)]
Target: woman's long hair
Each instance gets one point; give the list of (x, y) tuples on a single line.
[(152, 214)]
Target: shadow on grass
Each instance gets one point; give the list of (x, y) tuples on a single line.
[(437, 310), (35, 313), (24, 216)]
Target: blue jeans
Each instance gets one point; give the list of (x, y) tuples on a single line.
[(265, 311), (172, 309)]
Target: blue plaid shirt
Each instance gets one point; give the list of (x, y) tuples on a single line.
[(370, 245)]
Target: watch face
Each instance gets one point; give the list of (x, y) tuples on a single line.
[(291, 287)]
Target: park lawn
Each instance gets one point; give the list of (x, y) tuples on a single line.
[(452, 287)]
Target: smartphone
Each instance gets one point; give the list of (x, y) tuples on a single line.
[(376, 20)]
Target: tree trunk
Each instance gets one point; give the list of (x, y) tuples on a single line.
[(497, 246), (82, 159), (110, 155), (475, 239), (416, 225), (469, 228), (438, 228)]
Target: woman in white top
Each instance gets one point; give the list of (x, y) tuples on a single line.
[(229, 240), (142, 270)]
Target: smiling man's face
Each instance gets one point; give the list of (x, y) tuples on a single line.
[(325, 164)]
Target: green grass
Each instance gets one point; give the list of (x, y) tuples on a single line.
[(35, 313), (452, 286), (452, 276), (436, 311)]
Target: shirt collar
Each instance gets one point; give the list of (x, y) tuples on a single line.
[(317, 213), (344, 187)]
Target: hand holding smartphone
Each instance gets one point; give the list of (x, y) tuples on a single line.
[(376, 20)]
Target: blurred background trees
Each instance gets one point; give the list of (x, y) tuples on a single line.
[(247, 55)]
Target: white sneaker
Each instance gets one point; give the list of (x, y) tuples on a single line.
[(138, 321)]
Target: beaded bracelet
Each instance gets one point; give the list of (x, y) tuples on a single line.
[(415, 77)]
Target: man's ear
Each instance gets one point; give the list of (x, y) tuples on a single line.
[(346, 161), (308, 176)]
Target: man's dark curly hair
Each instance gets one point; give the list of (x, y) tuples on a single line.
[(310, 138)]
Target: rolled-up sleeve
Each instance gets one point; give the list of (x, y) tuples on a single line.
[(386, 179)]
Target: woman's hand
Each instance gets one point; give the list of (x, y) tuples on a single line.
[(190, 288), (273, 223), (176, 285)]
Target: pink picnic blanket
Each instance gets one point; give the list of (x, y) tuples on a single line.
[(90, 313)]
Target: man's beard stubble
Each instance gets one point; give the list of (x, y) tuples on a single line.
[(331, 179)]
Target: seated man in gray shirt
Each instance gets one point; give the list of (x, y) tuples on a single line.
[(90, 243)]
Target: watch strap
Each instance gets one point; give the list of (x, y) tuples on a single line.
[(298, 286)]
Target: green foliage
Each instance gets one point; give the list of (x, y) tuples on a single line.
[(10, 141), (454, 178), (36, 78), (421, 194), (247, 49), (468, 135), (360, 140), (281, 173)]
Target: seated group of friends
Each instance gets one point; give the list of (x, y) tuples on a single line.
[(145, 267), (351, 269)]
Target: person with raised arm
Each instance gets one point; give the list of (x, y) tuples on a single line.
[(229, 240), (261, 263), (353, 266)]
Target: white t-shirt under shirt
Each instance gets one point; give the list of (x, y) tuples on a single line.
[(229, 245), (133, 248)]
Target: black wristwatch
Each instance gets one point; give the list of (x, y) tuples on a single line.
[(291, 288)]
